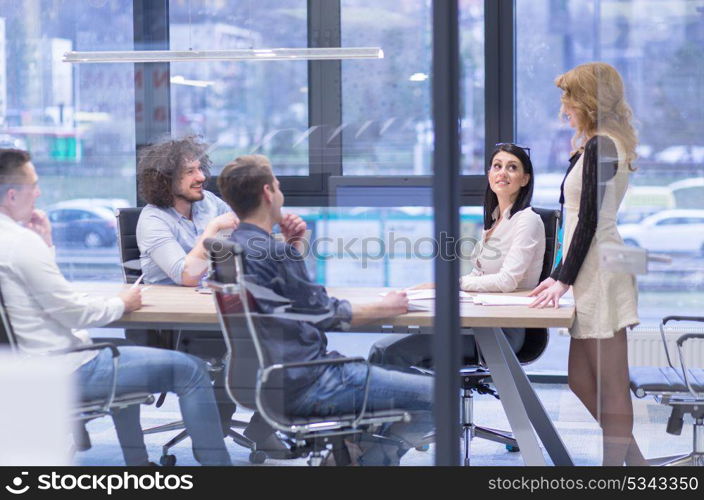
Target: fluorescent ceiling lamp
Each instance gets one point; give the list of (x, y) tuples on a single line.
[(418, 77), (180, 80), (149, 56)]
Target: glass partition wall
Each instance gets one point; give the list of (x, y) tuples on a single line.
[(353, 141), (656, 46)]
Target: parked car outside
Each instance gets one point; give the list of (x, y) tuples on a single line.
[(642, 201), (9, 141), (112, 204), (81, 224), (689, 193), (681, 154), (669, 231)]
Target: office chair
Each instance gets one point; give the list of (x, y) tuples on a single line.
[(254, 382), (680, 388), (127, 240), (475, 377), (127, 219), (86, 410)]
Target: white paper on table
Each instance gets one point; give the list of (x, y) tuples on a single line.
[(426, 294), (510, 300), (421, 306)]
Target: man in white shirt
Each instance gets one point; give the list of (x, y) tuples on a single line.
[(44, 310)]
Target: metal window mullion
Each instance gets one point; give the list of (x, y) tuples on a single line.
[(446, 165), (500, 73), (152, 82), (324, 94)]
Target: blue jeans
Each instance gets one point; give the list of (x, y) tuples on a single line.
[(340, 389), (146, 369)]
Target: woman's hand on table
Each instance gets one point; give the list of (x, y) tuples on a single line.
[(548, 293)]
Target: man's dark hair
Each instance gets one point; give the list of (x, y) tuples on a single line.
[(11, 163), (241, 183), (161, 165), (525, 195)]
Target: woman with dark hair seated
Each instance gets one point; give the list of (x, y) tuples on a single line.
[(508, 256)]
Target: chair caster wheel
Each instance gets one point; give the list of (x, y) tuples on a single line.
[(423, 447), (168, 460), (513, 449), (257, 457)]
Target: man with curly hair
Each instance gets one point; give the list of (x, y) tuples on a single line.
[(180, 214)]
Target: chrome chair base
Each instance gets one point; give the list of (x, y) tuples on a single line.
[(255, 457), (474, 381), (696, 458)]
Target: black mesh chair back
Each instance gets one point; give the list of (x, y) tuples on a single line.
[(127, 240), (551, 220), (537, 338)]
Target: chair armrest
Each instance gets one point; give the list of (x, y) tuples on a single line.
[(688, 336), (681, 340), (317, 362), (92, 347), (264, 373), (115, 355), (666, 319)]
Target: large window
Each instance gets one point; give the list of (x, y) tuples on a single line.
[(472, 85), (657, 46), (387, 131), (242, 107), (77, 121), (387, 125)]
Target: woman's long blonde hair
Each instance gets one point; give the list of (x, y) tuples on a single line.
[(595, 91)]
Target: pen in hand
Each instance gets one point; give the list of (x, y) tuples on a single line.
[(139, 280)]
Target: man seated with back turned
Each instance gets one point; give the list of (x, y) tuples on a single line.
[(180, 214), (47, 315), (251, 189)]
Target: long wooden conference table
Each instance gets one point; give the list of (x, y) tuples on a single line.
[(175, 308)]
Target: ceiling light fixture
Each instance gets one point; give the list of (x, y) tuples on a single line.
[(180, 80), (149, 56)]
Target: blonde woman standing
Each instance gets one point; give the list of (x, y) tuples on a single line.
[(606, 303)]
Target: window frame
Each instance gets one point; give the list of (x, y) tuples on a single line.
[(325, 158)]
